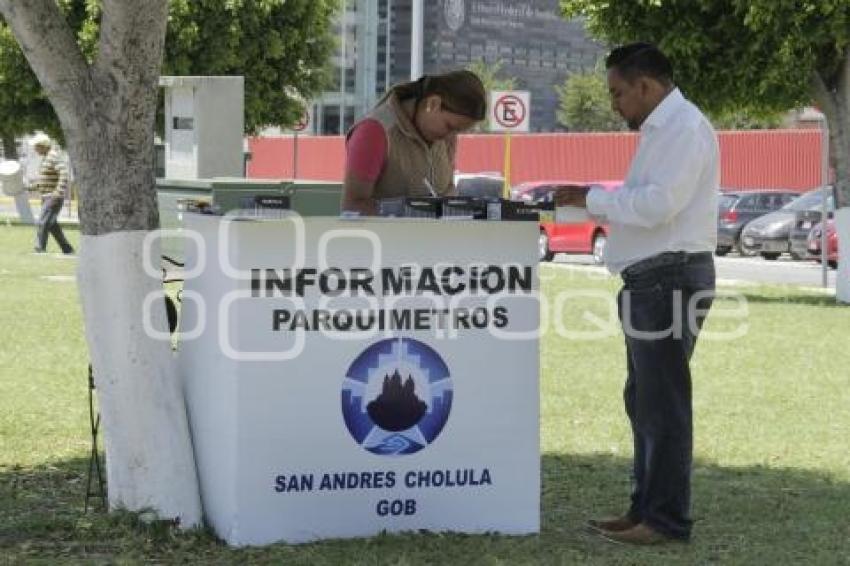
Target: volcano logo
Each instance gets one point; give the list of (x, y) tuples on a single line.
[(396, 397)]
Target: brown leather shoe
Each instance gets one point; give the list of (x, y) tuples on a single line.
[(641, 534), (611, 524)]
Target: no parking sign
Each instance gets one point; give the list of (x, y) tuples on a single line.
[(510, 110)]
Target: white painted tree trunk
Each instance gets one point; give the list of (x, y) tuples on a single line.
[(149, 455), (107, 110)]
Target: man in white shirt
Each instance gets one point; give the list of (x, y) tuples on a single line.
[(663, 233)]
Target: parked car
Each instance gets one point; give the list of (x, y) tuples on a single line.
[(482, 185), (737, 208), (813, 243), (803, 223), (587, 237), (769, 235)]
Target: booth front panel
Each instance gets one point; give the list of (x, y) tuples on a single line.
[(348, 377)]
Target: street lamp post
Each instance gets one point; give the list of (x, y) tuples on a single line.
[(417, 32), (824, 259), (342, 62)]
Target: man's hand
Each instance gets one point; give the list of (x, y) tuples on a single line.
[(571, 195)]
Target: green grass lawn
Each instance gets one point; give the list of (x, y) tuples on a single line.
[(771, 480)]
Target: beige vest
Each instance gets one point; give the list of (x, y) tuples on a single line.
[(409, 159)]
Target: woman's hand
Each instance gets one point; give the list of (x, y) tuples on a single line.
[(357, 196)]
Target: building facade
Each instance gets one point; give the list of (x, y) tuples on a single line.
[(529, 39)]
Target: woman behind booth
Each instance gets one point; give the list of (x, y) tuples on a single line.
[(406, 145)]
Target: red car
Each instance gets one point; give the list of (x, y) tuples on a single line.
[(813, 245), (574, 237)]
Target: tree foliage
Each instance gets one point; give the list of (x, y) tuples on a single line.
[(754, 55), (280, 46), (585, 105), (723, 55), (492, 77), (23, 105), (746, 120)]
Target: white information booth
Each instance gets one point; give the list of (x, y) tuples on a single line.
[(347, 377)]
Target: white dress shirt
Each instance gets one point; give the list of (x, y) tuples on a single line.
[(669, 199)]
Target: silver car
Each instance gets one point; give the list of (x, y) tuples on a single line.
[(769, 235)]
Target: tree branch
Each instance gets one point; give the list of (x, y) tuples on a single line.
[(53, 54), (821, 94)]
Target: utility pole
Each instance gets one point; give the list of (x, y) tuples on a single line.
[(417, 30), (343, 57), (825, 189), (367, 53), (388, 44)]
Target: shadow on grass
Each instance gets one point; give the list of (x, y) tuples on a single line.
[(794, 299), (743, 515)]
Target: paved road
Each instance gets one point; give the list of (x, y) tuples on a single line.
[(783, 270), (732, 269)]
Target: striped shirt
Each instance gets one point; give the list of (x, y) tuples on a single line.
[(52, 175)]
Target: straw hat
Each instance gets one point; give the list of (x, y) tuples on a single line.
[(41, 139)]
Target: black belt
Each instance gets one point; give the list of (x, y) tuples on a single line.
[(666, 259)]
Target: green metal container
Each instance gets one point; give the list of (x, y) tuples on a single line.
[(315, 198), (308, 198)]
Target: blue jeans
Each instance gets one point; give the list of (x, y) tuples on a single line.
[(48, 224), (663, 305)]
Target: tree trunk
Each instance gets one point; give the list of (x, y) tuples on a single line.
[(841, 157), (150, 464), (833, 96), (107, 112)]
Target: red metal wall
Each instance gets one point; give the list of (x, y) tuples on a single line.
[(319, 157), (769, 159), (773, 158)]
